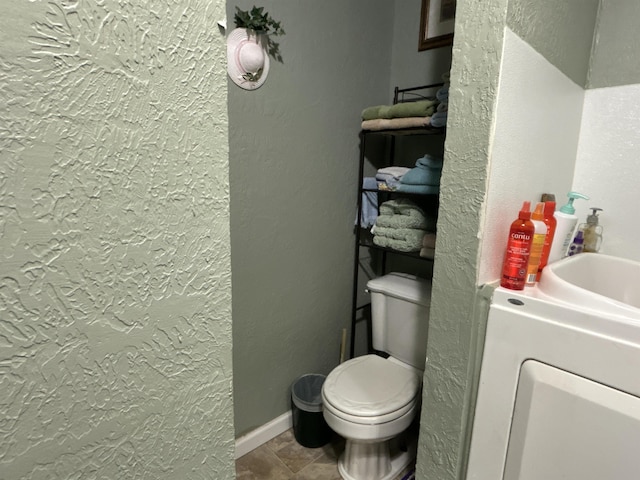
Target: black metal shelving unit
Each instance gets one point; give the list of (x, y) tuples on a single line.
[(363, 238)]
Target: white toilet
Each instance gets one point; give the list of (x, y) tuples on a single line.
[(370, 400)]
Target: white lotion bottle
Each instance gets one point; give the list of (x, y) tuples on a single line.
[(567, 220)]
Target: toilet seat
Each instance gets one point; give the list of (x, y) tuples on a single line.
[(370, 390)]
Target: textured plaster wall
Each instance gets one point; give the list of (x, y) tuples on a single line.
[(457, 316), (115, 295), (293, 165), (561, 31), (530, 154), (615, 54)]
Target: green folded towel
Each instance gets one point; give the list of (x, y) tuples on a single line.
[(404, 221), (401, 206), (372, 113), (421, 108), (412, 235), (400, 245)]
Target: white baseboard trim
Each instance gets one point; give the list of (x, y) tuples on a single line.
[(263, 434)]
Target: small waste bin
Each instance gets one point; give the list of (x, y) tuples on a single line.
[(309, 426)]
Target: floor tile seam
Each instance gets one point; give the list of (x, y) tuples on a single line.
[(313, 460), (291, 472), (301, 472), (275, 457)]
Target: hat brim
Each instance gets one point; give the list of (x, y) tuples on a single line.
[(238, 75)]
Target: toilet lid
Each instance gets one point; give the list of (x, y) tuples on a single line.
[(370, 386)]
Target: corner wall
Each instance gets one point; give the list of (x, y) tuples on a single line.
[(115, 295), (456, 317), (531, 155)]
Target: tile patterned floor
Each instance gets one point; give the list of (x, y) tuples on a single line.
[(282, 458)]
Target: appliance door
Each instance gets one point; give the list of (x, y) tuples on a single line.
[(568, 427)]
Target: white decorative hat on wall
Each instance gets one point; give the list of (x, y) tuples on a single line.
[(247, 58)]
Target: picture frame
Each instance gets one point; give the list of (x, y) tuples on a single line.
[(437, 19)]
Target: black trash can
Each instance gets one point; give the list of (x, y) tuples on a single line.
[(309, 426)]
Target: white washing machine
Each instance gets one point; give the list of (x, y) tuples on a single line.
[(559, 394)]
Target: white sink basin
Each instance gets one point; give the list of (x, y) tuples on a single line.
[(595, 282)]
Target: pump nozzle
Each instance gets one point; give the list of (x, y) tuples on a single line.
[(568, 207), (525, 211), (593, 218)]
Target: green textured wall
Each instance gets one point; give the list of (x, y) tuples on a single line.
[(561, 31), (615, 52), (458, 308), (115, 289)]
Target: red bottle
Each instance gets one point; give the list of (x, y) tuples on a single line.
[(516, 258), (551, 222)]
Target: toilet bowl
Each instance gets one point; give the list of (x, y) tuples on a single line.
[(370, 400)]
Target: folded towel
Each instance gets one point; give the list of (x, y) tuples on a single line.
[(390, 177), (415, 235), (369, 211), (421, 108), (372, 112), (395, 123), (439, 119), (429, 161), (429, 240), (401, 206), (395, 244), (443, 107), (427, 223), (427, 252), (397, 172), (421, 189), (388, 187), (443, 93), (388, 182), (422, 175)]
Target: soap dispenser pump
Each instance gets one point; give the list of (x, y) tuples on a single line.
[(592, 232)]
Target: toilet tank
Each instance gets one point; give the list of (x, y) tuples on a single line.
[(400, 316)]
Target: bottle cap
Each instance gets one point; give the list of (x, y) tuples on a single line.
[(538, 213), (525, 214), (568, 207), (593, 218)]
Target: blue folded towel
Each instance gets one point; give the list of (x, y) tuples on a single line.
[(422, 189), (443, 93), (427, 172), (439, 119), (421, 176), (429, 161), (369, 203)]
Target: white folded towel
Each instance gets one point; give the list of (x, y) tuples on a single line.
[(397, 172)]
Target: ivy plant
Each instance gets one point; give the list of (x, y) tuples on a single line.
[(261, 22)]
